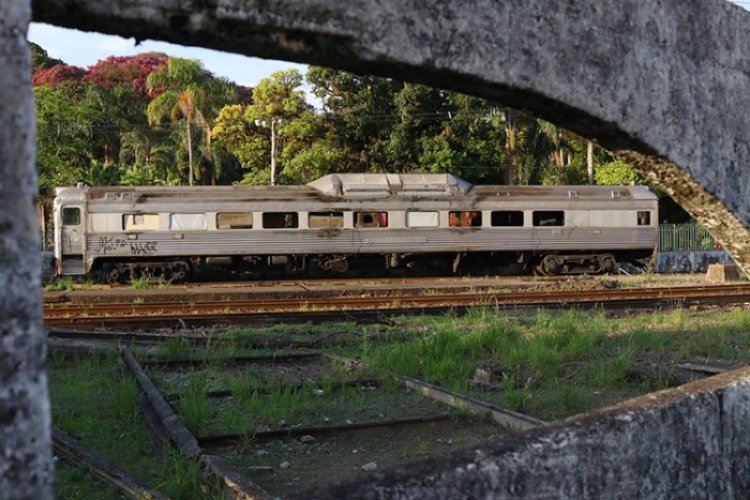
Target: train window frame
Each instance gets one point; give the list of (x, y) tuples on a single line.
[(291, 220), (230, 225), (183, 221), (556, 218), (146, 224), (511, 216), (458, 219), (421, 219), (378, 219), (643, 217), (71, 216), (325, 220)]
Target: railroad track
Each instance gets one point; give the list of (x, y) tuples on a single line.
[(195, 311)]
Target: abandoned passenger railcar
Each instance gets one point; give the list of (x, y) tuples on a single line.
[(394, 221)]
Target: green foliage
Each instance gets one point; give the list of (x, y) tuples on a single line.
[(64, 284), (617, 173), (40, 59), (151, 120)]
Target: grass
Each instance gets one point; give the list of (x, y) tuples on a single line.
[(67, 284), (548, 365), (64, 284), (92, 402), (554, 365), (146, 282)]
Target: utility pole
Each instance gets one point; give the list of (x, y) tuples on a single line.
[(273, 151), (264, 123), (590, 161)]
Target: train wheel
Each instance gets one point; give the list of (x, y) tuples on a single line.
[(550, 265), (607, 263), (113, 276), (179, 272)]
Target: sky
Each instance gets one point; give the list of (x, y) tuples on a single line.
[(84, 49)]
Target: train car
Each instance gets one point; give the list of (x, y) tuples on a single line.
[(341, 221)]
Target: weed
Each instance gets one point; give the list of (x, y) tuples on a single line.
[(145, 282), (126, 396), (186, 480), (515, 397), (242, 388), (610, 372), (195, 409), (64, 284), (175, 348)]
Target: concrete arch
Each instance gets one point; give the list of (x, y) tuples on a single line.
[(664, 85)]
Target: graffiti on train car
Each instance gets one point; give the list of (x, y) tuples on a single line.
[(108, 244)]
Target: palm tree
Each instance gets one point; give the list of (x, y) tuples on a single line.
[(185, 91)]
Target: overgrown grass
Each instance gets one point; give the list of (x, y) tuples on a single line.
[(67, 284), (549, 365), (64, 284), (553, 365), (145, 282), (95, 404)]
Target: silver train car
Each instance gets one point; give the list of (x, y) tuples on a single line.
[(342, 221)]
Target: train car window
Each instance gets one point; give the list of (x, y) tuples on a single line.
[(422, 219), (187, 222), (549, 218), (280, 220), (507, 218), (234, 220), (71, 216), (325, 220), (140, 222), (644, 218), (465, 219), (370, 219)]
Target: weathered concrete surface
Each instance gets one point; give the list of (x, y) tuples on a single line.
[(665, 85), (25, 443), (690, 262), (688, 442), (723, 273)]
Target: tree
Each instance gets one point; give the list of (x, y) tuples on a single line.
[(146, 157), (131, 71), (40, 59), (65, 147), (278, 105), (357, 118), (617, 173), (57, 75), (185, 91), (469, 140)]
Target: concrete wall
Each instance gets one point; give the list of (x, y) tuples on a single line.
[(690, 262), (688, 442)]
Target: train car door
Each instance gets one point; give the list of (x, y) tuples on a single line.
[(72, 239)]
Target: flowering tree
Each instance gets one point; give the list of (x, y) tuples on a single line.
[(126, 70), (56, 75)]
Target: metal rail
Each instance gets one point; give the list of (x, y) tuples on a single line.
[(248, 310)]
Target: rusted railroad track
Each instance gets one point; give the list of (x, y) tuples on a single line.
[(194, 311)]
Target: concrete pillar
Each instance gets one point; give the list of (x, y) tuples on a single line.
[(25, 444)]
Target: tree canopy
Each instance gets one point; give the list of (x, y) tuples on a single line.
[(154, 119)]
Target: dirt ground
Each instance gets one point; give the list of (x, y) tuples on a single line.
[(385, 287)]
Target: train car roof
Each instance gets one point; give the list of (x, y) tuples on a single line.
[(356, 186)]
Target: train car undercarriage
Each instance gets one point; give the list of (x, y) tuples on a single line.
[(181, 269)]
